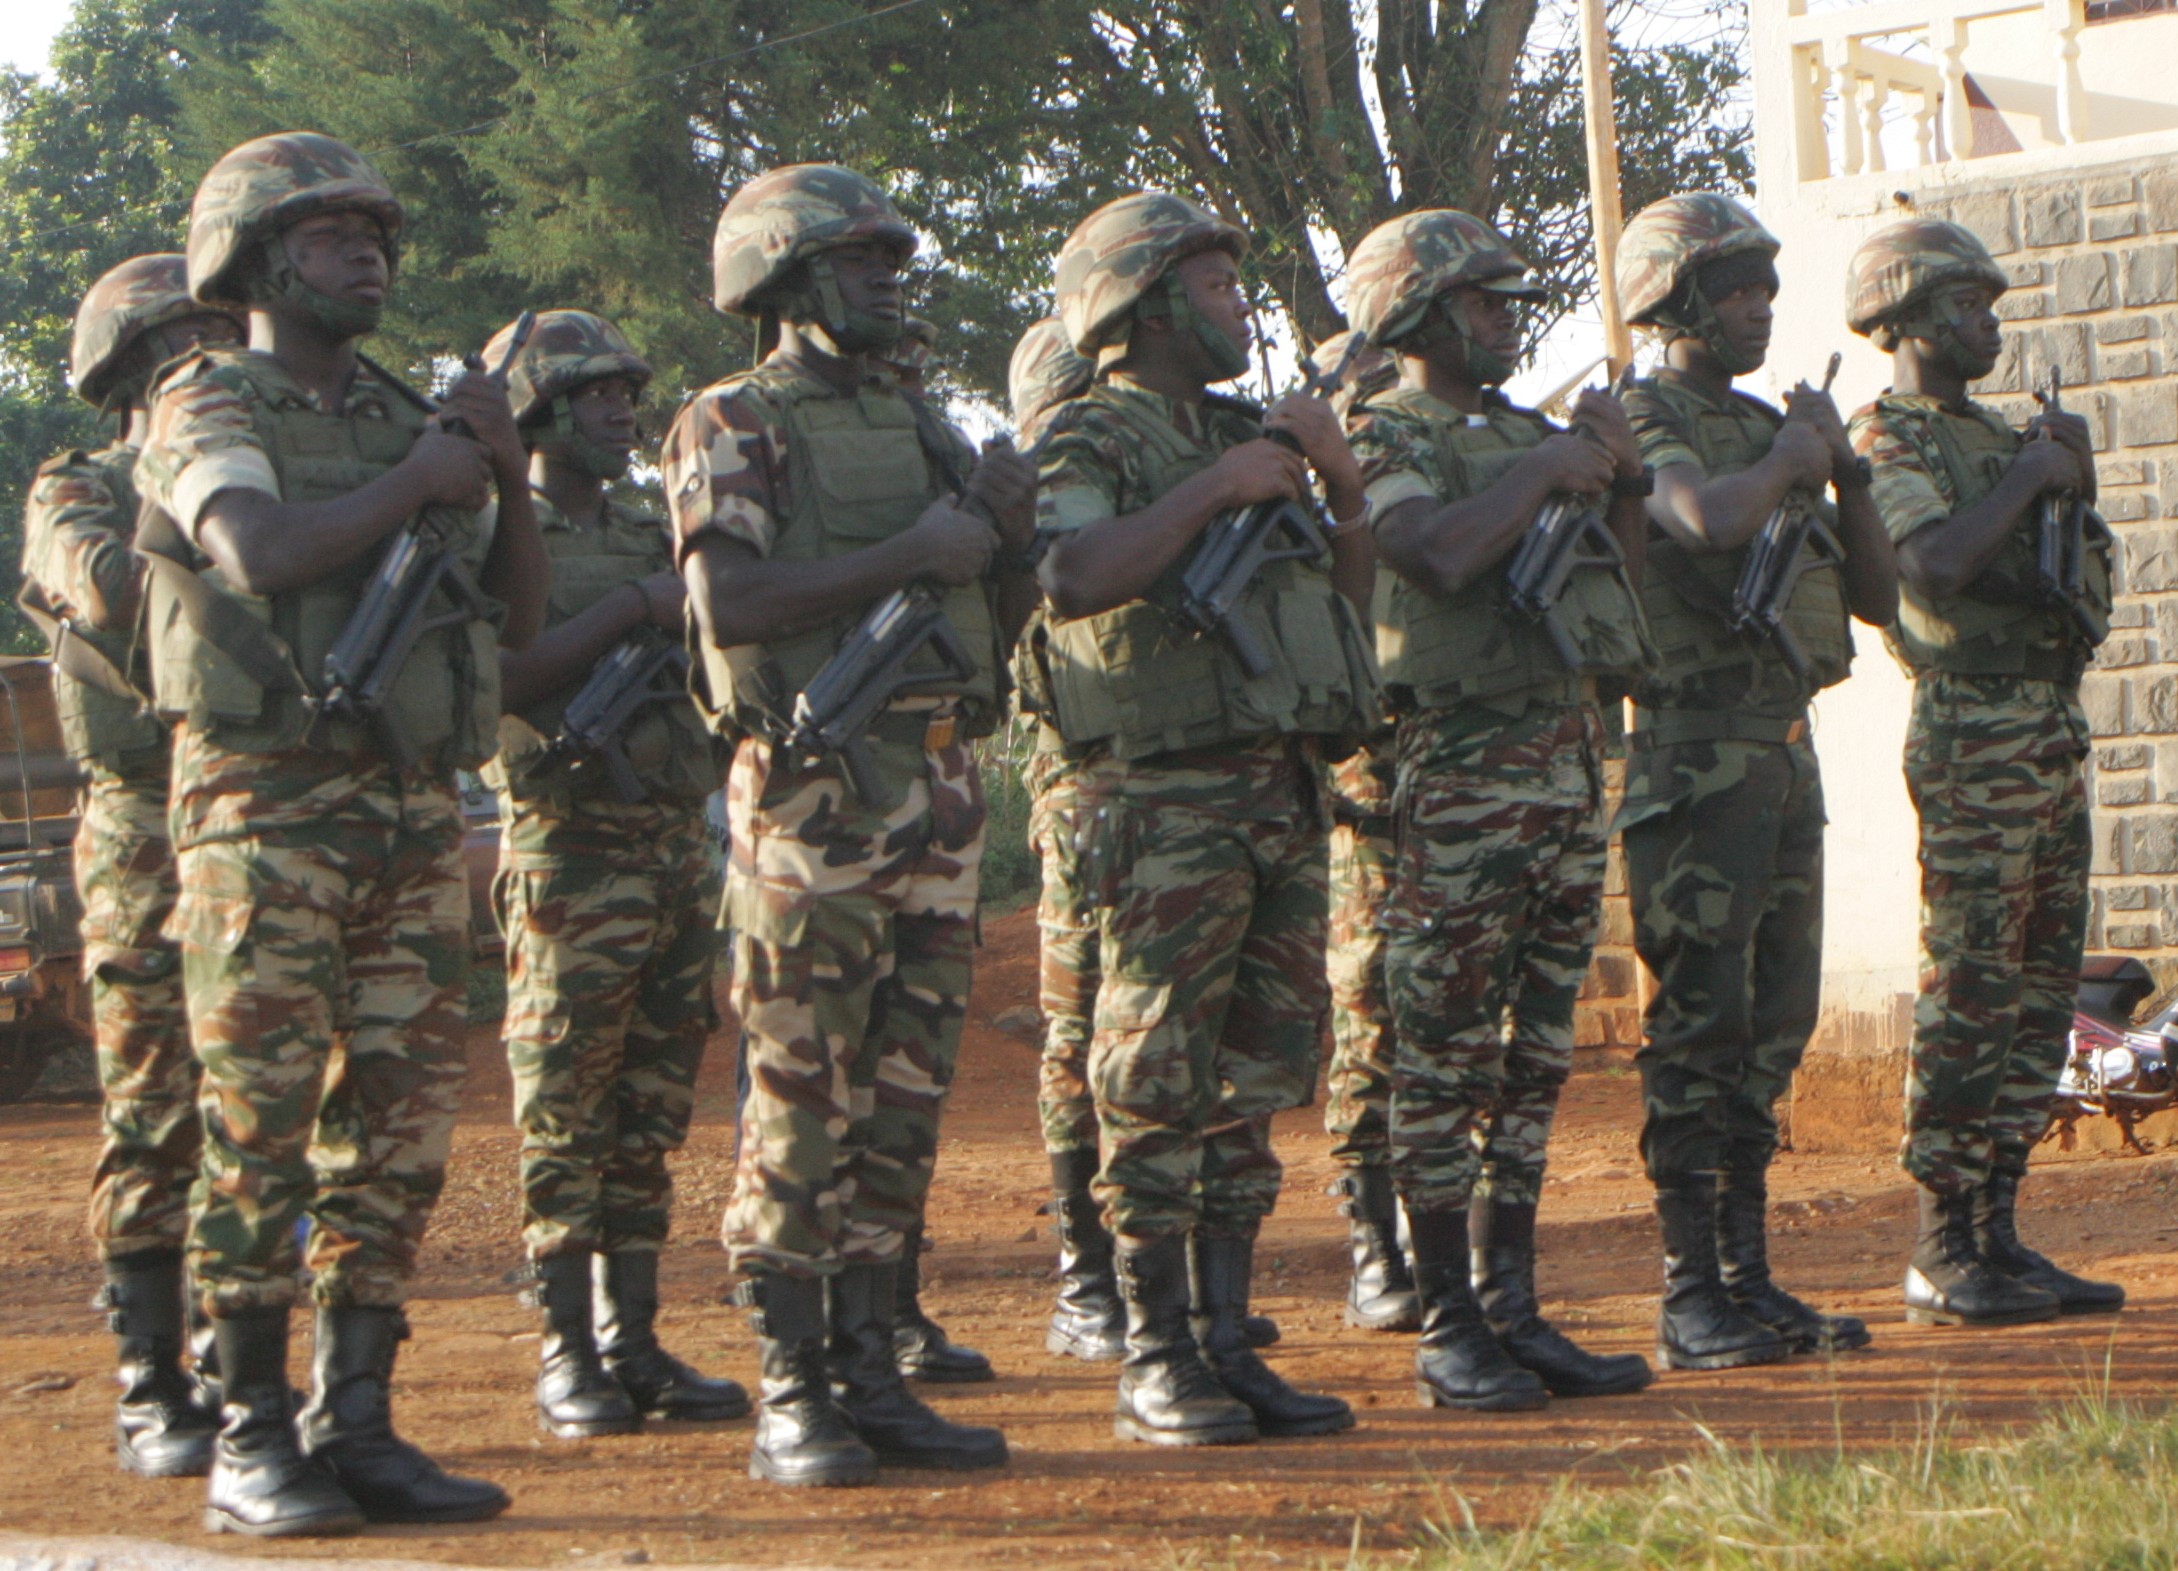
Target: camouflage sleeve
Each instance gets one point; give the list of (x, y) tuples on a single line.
[(76, 534), (725, 467), (1660, 429), (1081, 475), (1397, 464), (203, 441), (1910, 488)]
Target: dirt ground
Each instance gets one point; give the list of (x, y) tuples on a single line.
[(1074, 1496)]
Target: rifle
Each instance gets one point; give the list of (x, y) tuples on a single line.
[(636, 673), (1568, 535), (395, 614), (1793, 539), (866, 673), (2060, 533)]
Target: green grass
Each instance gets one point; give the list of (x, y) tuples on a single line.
[(1010, 870), (2093, 1484)]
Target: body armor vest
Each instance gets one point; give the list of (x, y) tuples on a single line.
[(446, 697), (1998, 625), (862, 471), (1466, 647), (1688, 594), (1138, 680), (100, 688), (667, 744)]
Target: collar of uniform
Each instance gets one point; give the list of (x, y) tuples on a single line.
[(1189, 418), (1683, 384), (370, 391)]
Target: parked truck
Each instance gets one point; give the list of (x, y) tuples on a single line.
[(44, 1005)]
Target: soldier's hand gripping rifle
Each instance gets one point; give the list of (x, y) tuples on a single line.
[(1568, 536), (396, 610), (2060, 533), (1793, 539), (866, 673), (638, 672)]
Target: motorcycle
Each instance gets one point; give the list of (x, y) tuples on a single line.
[(2114, 1067)]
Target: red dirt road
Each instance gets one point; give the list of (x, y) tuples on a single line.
[(1074, 1496)]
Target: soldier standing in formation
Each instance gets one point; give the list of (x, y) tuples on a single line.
[(803, 492), (83, 587), (1498, 880), (323, 912), (1723, 815), (607, 892), (1993, 760), (1206, 863)]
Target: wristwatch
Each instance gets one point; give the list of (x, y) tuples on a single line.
[(1642, 484)]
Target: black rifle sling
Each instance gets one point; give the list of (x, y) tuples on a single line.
[(77, 656), (218, 619)]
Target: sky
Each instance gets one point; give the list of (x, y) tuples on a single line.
[(27, 28)]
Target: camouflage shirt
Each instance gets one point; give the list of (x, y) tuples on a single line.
[(1397, 448), (76, 531), (1914, 485)]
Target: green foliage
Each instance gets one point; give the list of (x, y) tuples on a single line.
[(1011, 871)]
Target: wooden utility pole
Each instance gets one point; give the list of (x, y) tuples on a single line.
[(1602, 132)]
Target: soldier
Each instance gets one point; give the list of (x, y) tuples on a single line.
[(607, 894), (1201, 788), (1993, 761), (323, 914), (82, 586), (1723, 814), (803, 492), (1498, 877)]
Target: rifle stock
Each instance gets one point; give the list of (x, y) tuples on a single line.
[(868, 671)]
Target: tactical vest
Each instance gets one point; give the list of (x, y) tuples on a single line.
[(1138, 680), (101, 684), (1688, 594), (1466, 647), (860, 472), (1997, 625), (667, 744), (446, 698)]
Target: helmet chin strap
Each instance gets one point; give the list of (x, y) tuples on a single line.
[(280, 280), (851, 332), (1935, 321), (564, 431), (1709, 328), (1227, 358)]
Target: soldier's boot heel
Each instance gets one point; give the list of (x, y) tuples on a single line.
[(1996, 1232), (1167, 1394), (1501, 1244), (919, 1344), (1380, 1296), (347, 1427), (657, 1383), (1949, 1284), (1459, 1362), (1743, 1256), (803, 1439), (1088, 1322), (1697, 1325), (896, 1424), (1220, 1267), (576, 1397), (261, 1484), (160, 1428)]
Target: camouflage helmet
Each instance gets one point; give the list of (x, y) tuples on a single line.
[(1905, 264), (1045, 372), (790, 215), (142, 293), (1109, 262), (1404, 264), (1370, 370), (565, 350), (264, 186), (1668, 240)]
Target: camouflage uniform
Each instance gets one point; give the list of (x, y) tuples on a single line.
[(1357, 1105)]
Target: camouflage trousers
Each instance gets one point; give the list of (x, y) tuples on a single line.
[(1724, 867), (1357, 1102), (853, 938), (1066, 924), (610, 912), (2005, 845), (324, 928), (152, 1136), (1207, 1023), (1496, 891)]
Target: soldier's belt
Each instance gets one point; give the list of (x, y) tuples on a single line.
[(2035, 663), (1670, 727)]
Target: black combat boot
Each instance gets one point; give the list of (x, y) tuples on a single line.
[(919, 1344), (575, 1396), (347, 1427), (626, 1306), (160, 1428), (1459, 1361), (1219, 1268), (1089, 1322), (891, 1419), (261, 1482), (1996, 1234), (1698, 1326), (1949, 1284), (1167, 1394), (1501, 1244), (203, 1353), (802, 1436), (1381, 1296), (1743, 1255)]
